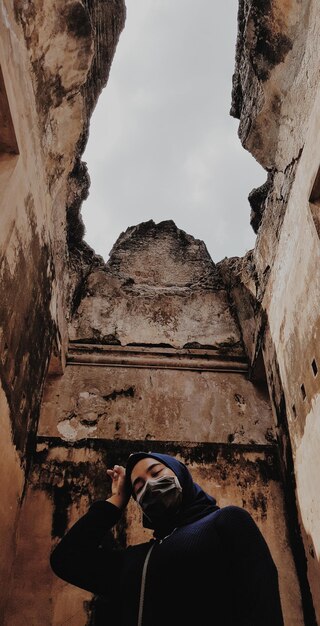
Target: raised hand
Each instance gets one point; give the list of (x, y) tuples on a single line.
[(120, 497)]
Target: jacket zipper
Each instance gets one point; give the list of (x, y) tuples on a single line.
[(143, 584), (144, 575)]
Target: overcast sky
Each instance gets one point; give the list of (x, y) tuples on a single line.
[(162, 144)]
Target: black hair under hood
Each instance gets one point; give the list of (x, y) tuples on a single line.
[(196, 503)]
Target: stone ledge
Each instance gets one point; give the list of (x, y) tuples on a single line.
[(155, 357)]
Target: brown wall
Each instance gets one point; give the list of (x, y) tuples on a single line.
[(132, 403), (115, 397), (51, 75), (281, 128), (67, 478), (45, 56)]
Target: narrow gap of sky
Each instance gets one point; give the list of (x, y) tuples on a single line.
[(162, 144)]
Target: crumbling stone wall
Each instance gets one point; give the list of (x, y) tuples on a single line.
[(142, 333), (276, 96), (51, 71), (155, 362), (148, 338), (66, 478)]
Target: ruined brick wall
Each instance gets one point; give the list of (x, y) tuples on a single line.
[(276, 96), (155, 362), (167, 351), (49, 62)]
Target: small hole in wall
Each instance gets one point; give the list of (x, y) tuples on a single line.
[(314, 367), (294, 411), (303, 392)]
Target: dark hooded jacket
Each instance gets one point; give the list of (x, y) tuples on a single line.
[(207, 566)]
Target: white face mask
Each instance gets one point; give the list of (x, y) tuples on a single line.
[(160, 497)]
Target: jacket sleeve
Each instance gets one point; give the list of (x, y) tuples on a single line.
[(252, 570), (85, 556)]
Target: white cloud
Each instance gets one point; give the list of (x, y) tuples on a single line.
[(162, 144)]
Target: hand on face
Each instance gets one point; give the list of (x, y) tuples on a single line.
[(120, 497)]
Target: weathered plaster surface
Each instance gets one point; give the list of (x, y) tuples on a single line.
[(292, 299), (275, 86), (65, 480), (181, 385), (279, 110), (307, 471), (160, 404), (54, 602), (26, 257), (159, 291), (239, 278), (275, 68), (159, 286), (48, 52), (12, 479)]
